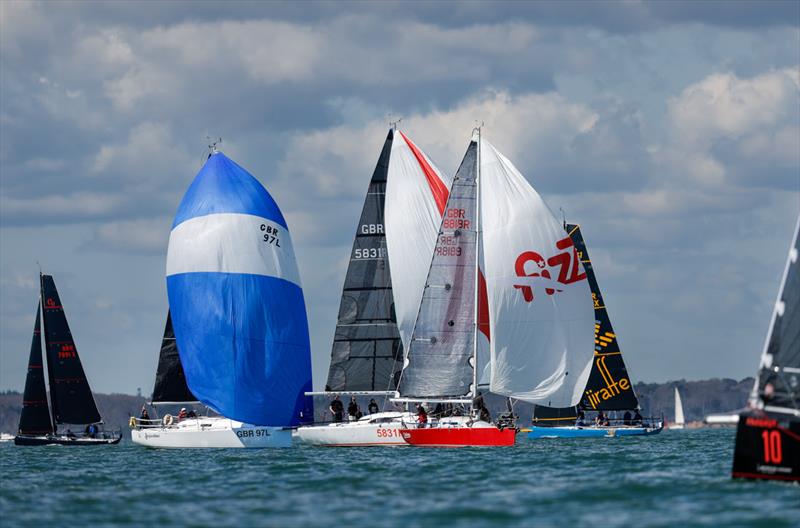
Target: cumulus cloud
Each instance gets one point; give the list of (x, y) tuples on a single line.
[(755, 121)]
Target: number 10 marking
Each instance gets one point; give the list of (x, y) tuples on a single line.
[(773, 453)]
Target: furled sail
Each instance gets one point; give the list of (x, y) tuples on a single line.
[(367, 351), (236, 301), (416, 194), (540, 306), (440, 358), (170, 383), (35, 417), (778, 381), (70, 395)]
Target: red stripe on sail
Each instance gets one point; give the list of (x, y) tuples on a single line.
[(437, 186), (483, 306)]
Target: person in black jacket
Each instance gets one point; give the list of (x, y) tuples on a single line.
[(352, 410), (337, 409), (373, 406)]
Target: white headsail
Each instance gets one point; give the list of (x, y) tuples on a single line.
[(540, 305), (416, 194)]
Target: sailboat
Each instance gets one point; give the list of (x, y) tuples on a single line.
[(71, 400), (609, 387), (768, 433), (490, 274), (679, 422), (367, 350), (238, 314)]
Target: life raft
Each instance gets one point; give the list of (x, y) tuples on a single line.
[(168, 419)]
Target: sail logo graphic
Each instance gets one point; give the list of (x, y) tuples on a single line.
[(67, 351), (613, 387), (567, 261)]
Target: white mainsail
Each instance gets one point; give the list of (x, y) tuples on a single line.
[(540, 305), (679, 420), (416, 194)]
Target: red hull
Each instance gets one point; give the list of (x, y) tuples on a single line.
[(459, 436)]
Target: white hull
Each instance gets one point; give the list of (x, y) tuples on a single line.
[(379, 429), (212, 433)]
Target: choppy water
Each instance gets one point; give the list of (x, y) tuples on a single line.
[(678, 478)]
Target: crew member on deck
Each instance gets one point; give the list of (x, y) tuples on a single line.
[(373, 406), (182, 414), (626, 418), (352, 410), (600, 419), (637, 418), (144, 415), (337, 409), (422, 416), (191, 414), (579, 421)]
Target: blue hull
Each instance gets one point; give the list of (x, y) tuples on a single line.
[(590, 432)]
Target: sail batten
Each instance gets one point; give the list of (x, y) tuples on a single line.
[(366, 349), (35, 417)]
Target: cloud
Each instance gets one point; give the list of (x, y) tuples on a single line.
[(726, 129), (141, 236)]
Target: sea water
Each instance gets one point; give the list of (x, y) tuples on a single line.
[(677, 478)]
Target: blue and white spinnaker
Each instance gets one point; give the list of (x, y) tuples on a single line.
[(237, 304)]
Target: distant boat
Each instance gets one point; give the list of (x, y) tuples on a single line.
[(487, 277), (71, 401), (239, 319), (721, 419), (768, 434), (679, 422), (367, 351), (609, 387)]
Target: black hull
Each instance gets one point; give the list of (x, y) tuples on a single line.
[(767, 446), (22, 440)]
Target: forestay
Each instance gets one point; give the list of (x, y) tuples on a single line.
[(236, 302), (440, 356), (416, 194), (540, 305)]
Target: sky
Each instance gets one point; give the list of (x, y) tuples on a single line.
[(669, 130)]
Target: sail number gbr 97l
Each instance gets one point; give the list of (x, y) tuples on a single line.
[(270, 235)]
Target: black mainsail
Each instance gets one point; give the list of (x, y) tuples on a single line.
[(35, 418), (70, 395), (768, 433), (170, 385), (367, 350), (609, 387)]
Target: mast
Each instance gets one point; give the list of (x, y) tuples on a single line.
[(477, 263)]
